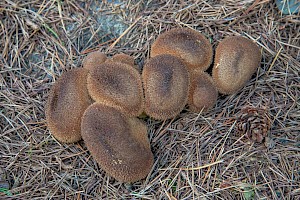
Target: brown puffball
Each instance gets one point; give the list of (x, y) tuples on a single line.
[(236, 59), (123, 58), (203, 92), (189, 45), (118, 143), (166, 86), (93, 59), (67, 101), (118, 85)]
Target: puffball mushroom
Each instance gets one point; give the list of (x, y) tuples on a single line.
[(118, 85), (189, 45), (123, 58), (203, 92), (67, 101), (93, 59), (118, 143), (236, 59), (166, 86)]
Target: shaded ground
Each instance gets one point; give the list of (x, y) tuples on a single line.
[(196, 155)]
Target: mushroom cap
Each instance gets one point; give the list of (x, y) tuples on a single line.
[(236, 59), (93, 59), (67, 101), (166, 86), (119, 144), (118, 85), (189, 45), (203, 92)]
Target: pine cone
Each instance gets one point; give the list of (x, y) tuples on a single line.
[(254, 123)]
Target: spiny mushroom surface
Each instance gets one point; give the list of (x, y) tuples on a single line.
[(166, 86), (67, 101), (123, 58), (93, 59), (236, 59), (203, 92), (118, 143), (118, 85), (189, 45)]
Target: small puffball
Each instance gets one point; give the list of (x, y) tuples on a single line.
[(67, 101), (93, 59), (118, 85), (203, 92), (236, 59), (191, 46), (119, 144), (166, 86), (123, 58)]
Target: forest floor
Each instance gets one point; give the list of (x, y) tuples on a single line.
[(197, 155)]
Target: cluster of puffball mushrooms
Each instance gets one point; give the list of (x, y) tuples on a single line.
[(100, 103)]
